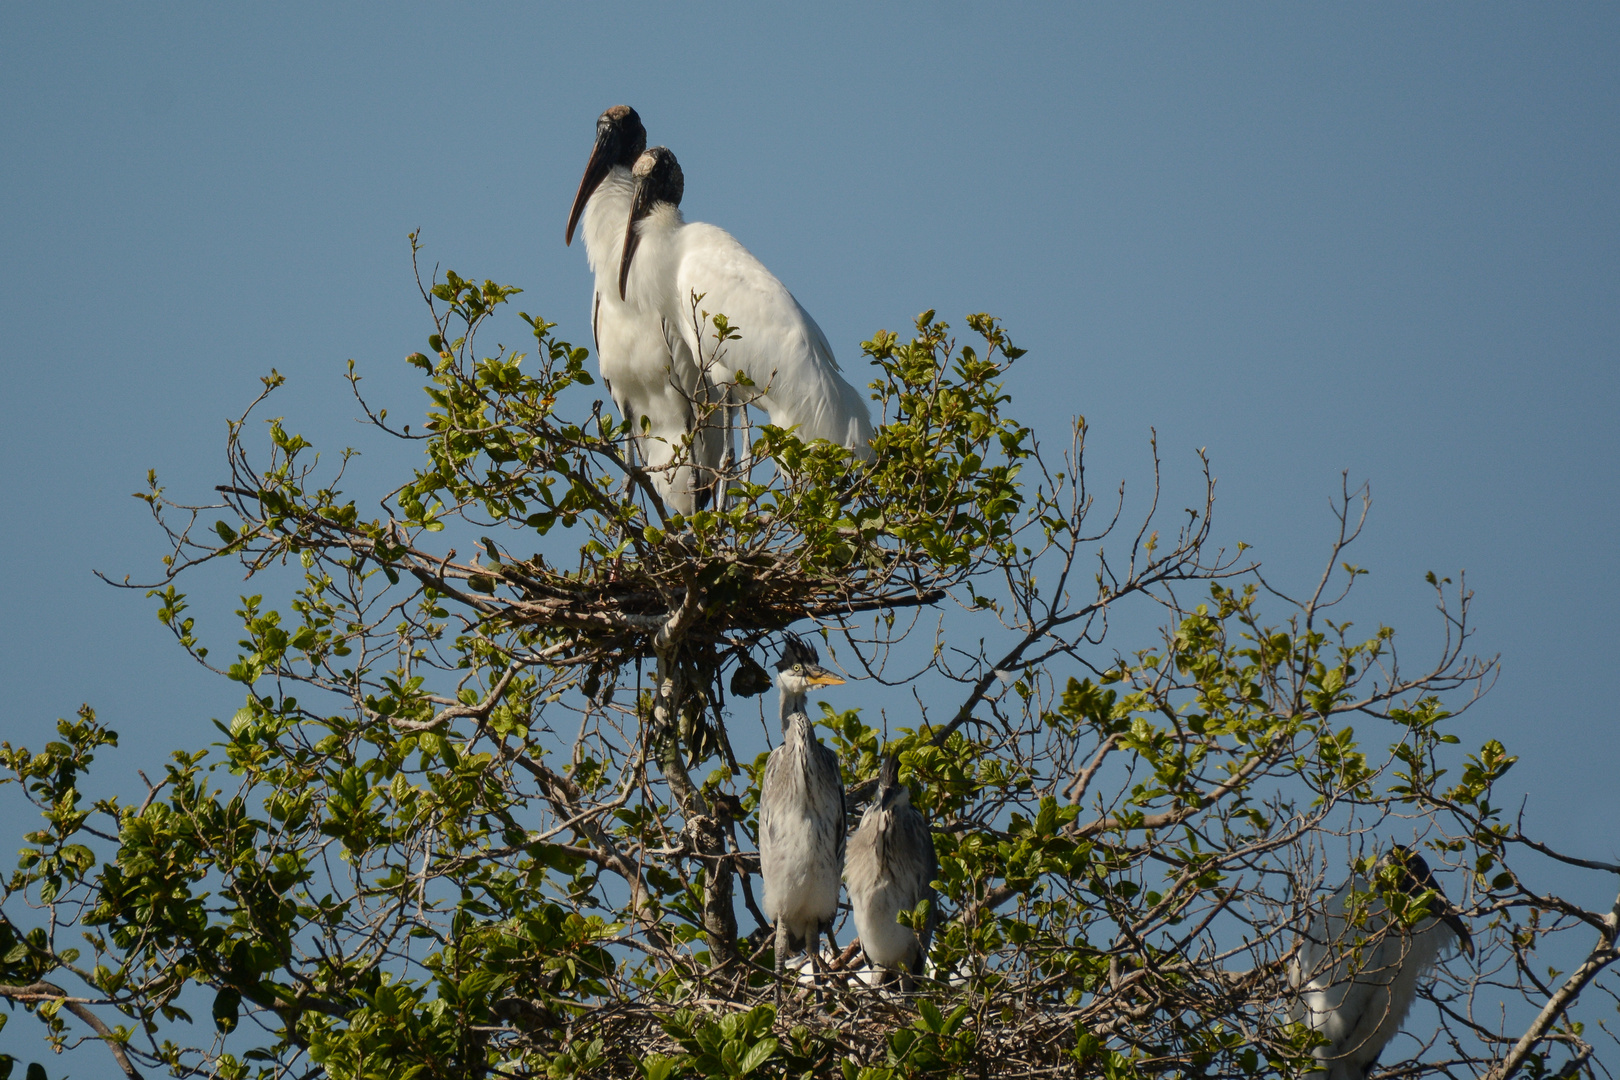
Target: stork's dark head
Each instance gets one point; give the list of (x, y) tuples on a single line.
[(658, 179), (1416, 878), (620, 139), (891, 792), (800, 668)]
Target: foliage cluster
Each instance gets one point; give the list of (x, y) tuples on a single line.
[(482, 811)]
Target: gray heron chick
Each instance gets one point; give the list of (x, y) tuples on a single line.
[(801, 817), (1358, 968), (891, 868)]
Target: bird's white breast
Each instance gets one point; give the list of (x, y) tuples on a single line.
[(606, 213), (631, 349), (649, 373), (879, 892), (799, 858)]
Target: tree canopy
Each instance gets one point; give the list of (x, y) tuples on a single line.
[(488, 807)]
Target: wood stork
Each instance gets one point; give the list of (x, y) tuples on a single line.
[(801, 818), (667, 262), (649, 373), (1357, 969), (891, 868)]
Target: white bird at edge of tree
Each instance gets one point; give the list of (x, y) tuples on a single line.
[(647, 370), (1357, 969)]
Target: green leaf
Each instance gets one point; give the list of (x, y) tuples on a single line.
[(657, 1066), (756, 1056)]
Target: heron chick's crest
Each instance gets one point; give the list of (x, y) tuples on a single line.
[(891, 792)]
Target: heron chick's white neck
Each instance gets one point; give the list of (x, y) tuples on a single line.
[(796, 694), (793, 701)]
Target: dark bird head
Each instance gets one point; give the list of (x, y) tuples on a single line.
[(658, 179), (620, 139), (800, 668), (1415, 879), (891, 792)]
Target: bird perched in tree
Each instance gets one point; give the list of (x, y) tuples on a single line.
[(1358, 968), (891, 868), (801, 817), (648, 371), (667, 262)]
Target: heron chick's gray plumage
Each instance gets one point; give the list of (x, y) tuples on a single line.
[(801, 817), (891, 868), (1358, 968)]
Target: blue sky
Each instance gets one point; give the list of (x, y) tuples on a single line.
[(1311, 239)]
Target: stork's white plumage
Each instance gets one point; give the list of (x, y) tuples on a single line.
[(649, 373), (667, 262), (1358, 969)]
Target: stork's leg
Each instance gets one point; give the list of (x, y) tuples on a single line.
[(781, 959), (728, 459), (715, 470)]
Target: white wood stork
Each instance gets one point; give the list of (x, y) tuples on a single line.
[(891, 868), (1357, 969), (649, 373), (667, 262), (801, 818)]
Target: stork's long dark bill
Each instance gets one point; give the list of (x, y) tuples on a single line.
[(639, 206), (596, 170)]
